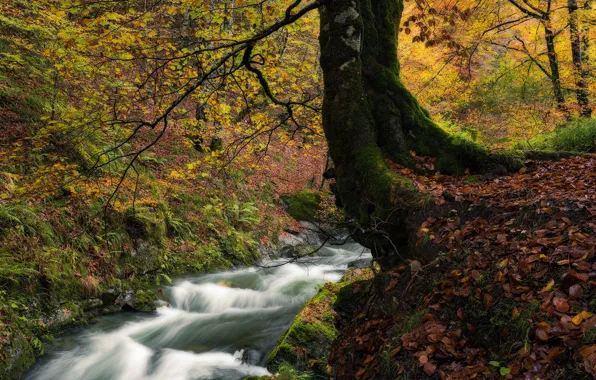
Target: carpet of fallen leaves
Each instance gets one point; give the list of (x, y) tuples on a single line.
[(512, 294)]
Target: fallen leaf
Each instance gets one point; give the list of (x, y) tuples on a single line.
[(391, 285), (515, 313), (575, 291), (561, 304), (430, 368), (548, 286), (542, 334), (578, 319)]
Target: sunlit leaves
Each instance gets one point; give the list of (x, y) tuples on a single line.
[(487, 86)]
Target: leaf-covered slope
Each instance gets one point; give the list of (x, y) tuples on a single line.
[(509, 295)]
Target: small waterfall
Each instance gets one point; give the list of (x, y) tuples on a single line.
[(214, 326)]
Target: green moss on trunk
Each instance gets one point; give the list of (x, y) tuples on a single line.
[(402, 123), (368, 115)]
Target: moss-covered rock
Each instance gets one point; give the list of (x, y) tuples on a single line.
[(304, 347), (305, 344), (63, 315), (140, 300), (303, 206), (16, 356)]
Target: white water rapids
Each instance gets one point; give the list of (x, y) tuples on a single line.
[(214, 326)]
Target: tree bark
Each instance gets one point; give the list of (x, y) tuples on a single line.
[(585, 35), (369, 115), (553, 61), (581, 84), (544, 17)]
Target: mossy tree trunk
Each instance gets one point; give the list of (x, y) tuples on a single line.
[(369, 115)]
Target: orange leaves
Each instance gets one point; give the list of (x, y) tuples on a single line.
[(511, 268), (430, 368), (588, 353), (543, 330), (369, 342), (561, 304), (435, 330), (360, 373), (391, 285), (519, 255), (314, 312), (434, 341)]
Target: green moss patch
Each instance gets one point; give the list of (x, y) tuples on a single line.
[(304, 348), (304, 345), (303, 206)]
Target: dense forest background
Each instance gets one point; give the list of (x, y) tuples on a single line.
[(135, 144)]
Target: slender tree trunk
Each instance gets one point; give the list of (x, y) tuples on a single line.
[(369, 116), (585, 34), (576, 53), (553, 60)]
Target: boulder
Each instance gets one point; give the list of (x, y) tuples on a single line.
[(140, 300)]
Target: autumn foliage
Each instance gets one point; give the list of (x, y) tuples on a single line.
[(127, 122)]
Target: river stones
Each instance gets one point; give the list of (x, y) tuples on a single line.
[(141, 301)]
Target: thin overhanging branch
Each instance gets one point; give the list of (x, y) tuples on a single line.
[(131, 164), (525, 51), (534, 8), (247, 45), (166, 113), (535, 60), (515, 22), (527, 11), (237, 47), (248, 62), (288, 19)]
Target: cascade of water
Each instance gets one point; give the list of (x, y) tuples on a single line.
[(215, 326)]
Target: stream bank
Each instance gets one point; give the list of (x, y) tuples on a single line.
[(61, 265), (212, 326)]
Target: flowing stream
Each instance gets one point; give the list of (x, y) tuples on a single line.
[(213, 326)]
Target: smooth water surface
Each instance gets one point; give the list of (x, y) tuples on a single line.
[(215, 326)]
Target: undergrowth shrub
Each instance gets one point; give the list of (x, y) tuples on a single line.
[(287, 372), (14, 272), (579, 135), (25, 221)]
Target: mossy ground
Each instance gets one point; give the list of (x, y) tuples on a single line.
[(304, 206), (302, 351), (53, 276)]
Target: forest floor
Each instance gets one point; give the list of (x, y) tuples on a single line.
[(511, 293)]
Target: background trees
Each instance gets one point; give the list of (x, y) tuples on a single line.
[(480, 69), (493, 77)]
